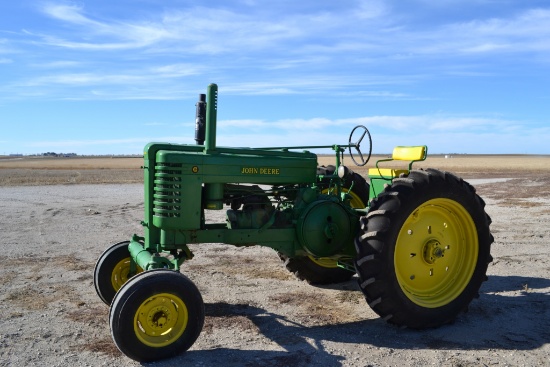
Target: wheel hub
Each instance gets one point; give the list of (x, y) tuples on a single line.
[(331, 230), (432, 251), (159, 319)]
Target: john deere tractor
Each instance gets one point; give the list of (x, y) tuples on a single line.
[(418, 240)]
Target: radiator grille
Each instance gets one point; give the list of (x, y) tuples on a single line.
[(167, 190)]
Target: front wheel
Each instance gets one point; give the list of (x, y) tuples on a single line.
[(423, 249), (112, 270), (157, 314)]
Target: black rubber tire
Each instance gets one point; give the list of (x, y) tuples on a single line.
[(376, 249), (130, 302), (305, 268), (360, 185), (104, 268)]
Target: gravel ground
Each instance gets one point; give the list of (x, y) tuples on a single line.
[(257, 314)]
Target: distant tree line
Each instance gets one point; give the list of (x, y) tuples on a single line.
[(53, 154)]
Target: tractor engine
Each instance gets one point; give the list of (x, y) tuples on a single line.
[(323, 225)]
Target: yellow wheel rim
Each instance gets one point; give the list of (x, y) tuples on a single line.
[(119, 276), (160, 320), (436, 253), (325, 262), (355, 202)]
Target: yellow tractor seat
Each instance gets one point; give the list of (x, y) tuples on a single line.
[(379, 177)]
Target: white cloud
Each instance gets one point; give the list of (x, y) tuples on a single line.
[(523, 32), (148, 75), (367, 28), (372, 9), (198, 30), (124, 35), (453, 134), (80, 79), (69, 13), (62, 64), (178, 70), (430, 123), (80, 143)]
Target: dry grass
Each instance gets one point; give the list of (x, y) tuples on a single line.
[(317, 308), (30, 176), (71, 163), (98, 170), (525, 194), (104, 345), (56, 171)]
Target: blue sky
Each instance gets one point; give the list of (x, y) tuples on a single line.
[(106, 77)]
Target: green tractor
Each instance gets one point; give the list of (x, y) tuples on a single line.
[(418, 240)]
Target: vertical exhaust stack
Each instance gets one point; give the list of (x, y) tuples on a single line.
[(213, 192), (211, 117), (200, 119)]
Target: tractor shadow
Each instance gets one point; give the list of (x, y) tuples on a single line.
[(512, 313)]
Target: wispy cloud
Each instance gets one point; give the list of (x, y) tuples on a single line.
[(124, 35), (69, 13), (343, 50), (200, 30), (365, 27), (62, 64), (147, 75), (525, 31), (443, 134), (389, 63), (84, 142), (79, 79), (430, 123)]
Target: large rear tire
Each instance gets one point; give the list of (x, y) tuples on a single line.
[(157, 314), (319, 271), (423, 249)]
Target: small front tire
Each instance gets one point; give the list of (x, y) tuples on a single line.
[(112, 270), (158, 314)]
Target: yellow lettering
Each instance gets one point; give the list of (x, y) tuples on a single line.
[(249, 170), (260, 170)]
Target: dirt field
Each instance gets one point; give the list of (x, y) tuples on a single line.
[(53, 171), (257, 314)]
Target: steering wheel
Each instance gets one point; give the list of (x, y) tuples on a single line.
[(365, 131)]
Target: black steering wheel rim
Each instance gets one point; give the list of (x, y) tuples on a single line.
[(356, 145)]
